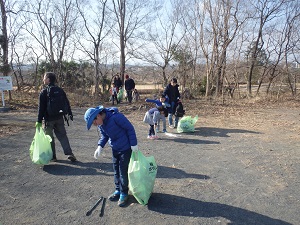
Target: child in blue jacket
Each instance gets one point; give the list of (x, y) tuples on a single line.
[(117, 130), (162, 101)]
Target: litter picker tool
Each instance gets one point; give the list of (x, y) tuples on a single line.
[(94, 207), (102, 208)]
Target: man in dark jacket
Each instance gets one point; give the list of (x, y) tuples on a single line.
[(117, 130), (117, 82), (54, 122), (129, 87), (172, 92)]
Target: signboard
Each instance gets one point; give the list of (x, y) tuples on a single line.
[(6, 83)]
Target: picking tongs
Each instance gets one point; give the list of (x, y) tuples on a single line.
[(94, 207)]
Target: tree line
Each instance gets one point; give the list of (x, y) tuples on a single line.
[(211, 46)]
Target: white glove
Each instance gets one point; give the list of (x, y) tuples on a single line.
[(98, 152), (134, 148)]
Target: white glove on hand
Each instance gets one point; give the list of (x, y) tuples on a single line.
[(134, 148), (98, 152)]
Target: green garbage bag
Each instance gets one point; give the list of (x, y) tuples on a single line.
[(187, 124), (120, 95), (141, 174), (40, 149)]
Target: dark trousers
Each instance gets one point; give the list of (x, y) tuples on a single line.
[(129, 95), (120, 164), (114, 97), (60, 132), (151, 130)]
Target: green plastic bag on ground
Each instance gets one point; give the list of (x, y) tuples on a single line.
[(120, 95), (40, 149), (187, 124), (141, 174)]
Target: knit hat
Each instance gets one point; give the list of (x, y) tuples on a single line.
[(126, 76)]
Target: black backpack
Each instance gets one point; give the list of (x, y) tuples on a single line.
[(179, 110), (57, 102)]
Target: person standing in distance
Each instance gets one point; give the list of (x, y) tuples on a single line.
[(129, 87), (54, 122), (173, 94), (117, 82), (117, 130)]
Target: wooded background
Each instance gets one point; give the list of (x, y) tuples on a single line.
[(212, 46)]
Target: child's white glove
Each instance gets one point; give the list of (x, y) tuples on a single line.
[(98, 152), (134, 148)]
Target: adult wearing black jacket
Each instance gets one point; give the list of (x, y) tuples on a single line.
[(117, 82), (129, 87), (54, 123), (172, 92)]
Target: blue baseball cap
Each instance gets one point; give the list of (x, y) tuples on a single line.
[(91, 114)]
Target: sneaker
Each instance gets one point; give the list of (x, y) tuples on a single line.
[(149, 136), (114, 196), (123, 200), (164, 131), (152, 137), (155, 137), (72, 157)]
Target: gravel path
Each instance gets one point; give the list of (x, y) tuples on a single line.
[(239, 167)]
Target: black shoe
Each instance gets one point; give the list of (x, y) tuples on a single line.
[(114, 196), (53, 159), (72, 157)]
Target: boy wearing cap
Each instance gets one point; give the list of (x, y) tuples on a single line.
[(117, 130)]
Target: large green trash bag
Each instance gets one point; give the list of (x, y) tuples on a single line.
[(120, 95), (187, 124), (141, 174), (40, 149)]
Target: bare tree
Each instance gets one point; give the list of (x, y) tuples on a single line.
[(51, 25), (96, 28), (130, 16), (266, 11), (162, 40), (10, 32)]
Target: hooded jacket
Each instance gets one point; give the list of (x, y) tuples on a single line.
[(117, 131)]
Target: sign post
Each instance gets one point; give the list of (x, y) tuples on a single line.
[(5, 84)]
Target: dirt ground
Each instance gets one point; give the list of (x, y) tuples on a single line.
[(240, 166)]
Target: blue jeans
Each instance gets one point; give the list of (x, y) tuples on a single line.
[(120, 165), (170, 116)]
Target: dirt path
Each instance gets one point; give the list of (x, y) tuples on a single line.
[(241, 166)]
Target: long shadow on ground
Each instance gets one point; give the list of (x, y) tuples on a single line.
[(181, 206), (188, 140), (219, 132), (169, 172), (78, 168)]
